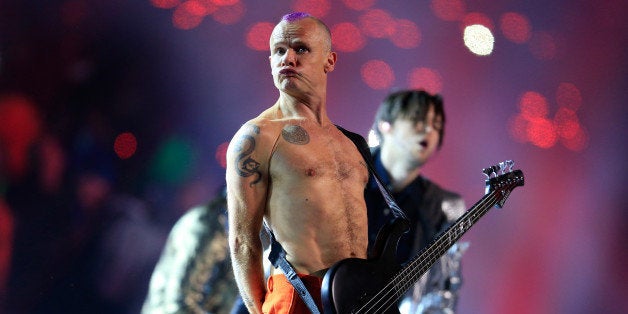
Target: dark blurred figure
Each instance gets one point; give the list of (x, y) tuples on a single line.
[(194, 272), (40, 204), (80, 246), (113, 243), (6, 247)]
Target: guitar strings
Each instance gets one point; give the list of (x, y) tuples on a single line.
[(396, 290)]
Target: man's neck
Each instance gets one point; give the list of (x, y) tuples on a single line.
[(401, 171), (313, 109)]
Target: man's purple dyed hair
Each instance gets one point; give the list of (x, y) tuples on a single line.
[(295, 16)]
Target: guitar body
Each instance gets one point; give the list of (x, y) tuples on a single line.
[(352, 282)]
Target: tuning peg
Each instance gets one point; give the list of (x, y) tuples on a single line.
[(487, 172), (502, 167), (510, 164)]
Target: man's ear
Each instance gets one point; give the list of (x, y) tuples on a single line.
[(331, 62)]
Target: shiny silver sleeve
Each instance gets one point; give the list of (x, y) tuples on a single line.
[(193, 274), (437, 290)]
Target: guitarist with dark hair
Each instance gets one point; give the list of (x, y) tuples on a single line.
[(410, 125)]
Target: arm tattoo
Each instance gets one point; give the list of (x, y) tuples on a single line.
[(295, 134), (248, 166)]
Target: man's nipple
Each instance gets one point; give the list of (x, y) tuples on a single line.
[(310, 172)]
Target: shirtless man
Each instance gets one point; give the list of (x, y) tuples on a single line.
[(292, 167)]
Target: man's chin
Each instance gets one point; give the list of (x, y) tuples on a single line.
[(288, 86)]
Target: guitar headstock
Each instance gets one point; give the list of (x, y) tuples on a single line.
[(501, 179)]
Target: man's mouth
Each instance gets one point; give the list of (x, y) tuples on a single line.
[(288, 72), (423, 143)]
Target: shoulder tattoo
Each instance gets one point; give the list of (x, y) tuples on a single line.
[(295, 134), (247, 166)]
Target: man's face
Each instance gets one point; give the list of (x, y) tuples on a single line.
[(300, 56), (415, 140)]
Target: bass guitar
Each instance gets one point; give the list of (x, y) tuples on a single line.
[(376, 284)]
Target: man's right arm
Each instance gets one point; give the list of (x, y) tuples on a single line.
[(247, 184)]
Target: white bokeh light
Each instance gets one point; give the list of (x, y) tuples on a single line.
[(479, 39)]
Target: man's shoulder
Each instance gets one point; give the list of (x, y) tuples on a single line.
[(452, 204), (437, 188), (259, 126)]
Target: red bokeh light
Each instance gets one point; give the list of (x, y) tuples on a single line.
[(347, 37), (377, 23), (188, 15), (407, 34), (426, 79), (475, 18), (20, 121), (533, 125), (165, 4), (377, 74), (533, 105), (221, 154), (449, 10), (541, 132), (258, 35), (568, 95), (20, 126), (515, 27), (578, 142), (229, 14), (223, 3), (7, 227), (542, 46), (199, 7), (358, 5), (125, 145), (518, 127), (567, 123), (317, 8)]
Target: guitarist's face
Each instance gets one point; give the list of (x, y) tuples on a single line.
[(415, 140)]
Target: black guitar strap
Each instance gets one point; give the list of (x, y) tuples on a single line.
[(363, 148), (277, 254)]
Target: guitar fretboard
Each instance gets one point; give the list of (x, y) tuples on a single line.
[(422, 262)]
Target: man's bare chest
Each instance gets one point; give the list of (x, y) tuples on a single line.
[(307, 154)]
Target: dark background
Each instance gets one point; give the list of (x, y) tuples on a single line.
[(84, 218)]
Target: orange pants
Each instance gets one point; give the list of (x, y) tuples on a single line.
[(282, 298)]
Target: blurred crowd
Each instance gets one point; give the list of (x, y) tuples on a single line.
[(72, 240), (81, 227)]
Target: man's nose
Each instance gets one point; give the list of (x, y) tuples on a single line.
[(290, 58)]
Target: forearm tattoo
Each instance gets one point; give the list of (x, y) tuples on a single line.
[(248, 166), (295, 134)]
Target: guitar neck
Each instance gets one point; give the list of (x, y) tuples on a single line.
[(420, 263)]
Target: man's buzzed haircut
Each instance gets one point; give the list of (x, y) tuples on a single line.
[(297, 16)]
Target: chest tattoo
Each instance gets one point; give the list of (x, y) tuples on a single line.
[(295, 134)]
